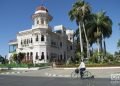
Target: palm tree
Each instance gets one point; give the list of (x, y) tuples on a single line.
[(118, 44), (106, 30), (86, 10), (79, 12), (101, 26)]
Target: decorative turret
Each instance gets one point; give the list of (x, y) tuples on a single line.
[(70, 34), (41, 17)]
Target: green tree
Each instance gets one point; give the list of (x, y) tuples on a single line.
[(101, 27), (20, 56), (2, 59), (79, 12), (118, 43), (117, 56), (15, 58), (94, 58), (77, 56)]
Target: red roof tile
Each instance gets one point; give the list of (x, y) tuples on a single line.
[(41, 8)]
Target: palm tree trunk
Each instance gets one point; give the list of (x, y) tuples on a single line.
[(101, 45), (102, 50), (88, 52), (98, 44), (104, 46), (81, 45)]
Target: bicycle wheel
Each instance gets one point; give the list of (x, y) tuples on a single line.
[(87, 74), (74, 75)]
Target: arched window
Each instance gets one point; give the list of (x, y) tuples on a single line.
[(60, 44), (24, 41), (21, 42), (31, 55), (42, 38), (61, 57), (31, 40), (42, 21), (27, 41), (37, 55), (37, 38), (37, 21), (42, 56), (71, 47), (27, 56)]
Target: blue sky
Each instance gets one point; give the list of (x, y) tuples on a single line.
[(15, 15)]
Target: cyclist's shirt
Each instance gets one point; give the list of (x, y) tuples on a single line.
[(82, 65)]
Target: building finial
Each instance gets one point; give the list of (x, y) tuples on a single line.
[(42, 2)]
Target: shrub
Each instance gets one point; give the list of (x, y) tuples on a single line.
[(93, 59)]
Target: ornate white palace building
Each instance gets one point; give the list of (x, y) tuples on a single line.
[(42, 43)]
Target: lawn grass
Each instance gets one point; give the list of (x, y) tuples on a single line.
[(90, 65), (14, 65)]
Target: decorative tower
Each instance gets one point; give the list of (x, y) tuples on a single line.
[(41, 17), (70, 34)]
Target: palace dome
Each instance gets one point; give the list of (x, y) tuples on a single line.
[(41, 8)]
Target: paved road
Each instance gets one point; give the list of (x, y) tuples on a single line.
[(42, 78), (98, 73), (52, 81)]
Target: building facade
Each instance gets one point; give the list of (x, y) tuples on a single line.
[(42, 43)]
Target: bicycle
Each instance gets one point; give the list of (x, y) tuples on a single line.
[(86, 74)]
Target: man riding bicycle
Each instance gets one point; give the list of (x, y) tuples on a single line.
[(82, 68)]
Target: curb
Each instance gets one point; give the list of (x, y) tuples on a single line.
[(56, 75), (9, 73), (31, 68)]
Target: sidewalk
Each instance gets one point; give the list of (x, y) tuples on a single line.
[(98, 72), (11, 71), (92, 68)]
